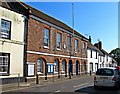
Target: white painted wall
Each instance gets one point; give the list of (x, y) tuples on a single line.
[(92, 60), (101, 62), (15, 46)]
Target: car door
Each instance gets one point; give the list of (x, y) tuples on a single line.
[(117, 75)]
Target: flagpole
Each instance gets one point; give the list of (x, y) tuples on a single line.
[(73, 18)]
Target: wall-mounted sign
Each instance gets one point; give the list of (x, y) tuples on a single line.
[(31, 69)]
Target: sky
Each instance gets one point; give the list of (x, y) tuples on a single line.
[(96, 19)]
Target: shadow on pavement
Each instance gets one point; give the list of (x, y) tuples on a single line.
[(91, 90)]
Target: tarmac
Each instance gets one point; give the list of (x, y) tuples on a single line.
[(22, 85)]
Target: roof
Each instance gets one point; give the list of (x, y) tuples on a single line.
[(52, 20), (15, 6), (91, 46), (105, 53), (23, 8)]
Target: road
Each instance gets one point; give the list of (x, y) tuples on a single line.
[(81, 85)]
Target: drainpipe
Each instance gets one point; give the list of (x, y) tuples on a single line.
[(25, 48)]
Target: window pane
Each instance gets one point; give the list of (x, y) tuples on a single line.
[(56, 66), (4, 60), (40, 65), (5, 28), (59, 40), (46, 37), (63, 65), (76, 45), (69, 43)]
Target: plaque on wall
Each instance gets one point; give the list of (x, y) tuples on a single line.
[(31, 69)]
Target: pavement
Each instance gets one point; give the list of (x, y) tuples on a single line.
[(22, 85)]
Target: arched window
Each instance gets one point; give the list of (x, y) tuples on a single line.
[(40, 65), (63, 65), (56, 66)]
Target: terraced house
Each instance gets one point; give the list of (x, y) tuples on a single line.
[(95, 57), (12, 23), (53, 47)]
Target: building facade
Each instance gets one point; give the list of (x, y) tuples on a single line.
[(11, 43), (53, 47), (105, 59), (94, 55)]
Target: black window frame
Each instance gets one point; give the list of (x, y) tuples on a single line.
[(9, 31)]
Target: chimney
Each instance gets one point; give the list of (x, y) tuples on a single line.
[(100, 45), (90, 39), (96, 45)]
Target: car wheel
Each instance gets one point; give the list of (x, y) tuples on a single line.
[(96, 87), (116, 86)]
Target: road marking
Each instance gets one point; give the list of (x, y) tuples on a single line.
[(19, 88), (58, 91), (80, 85), (83, 86)]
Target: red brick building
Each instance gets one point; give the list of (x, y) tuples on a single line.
[(53, 47)]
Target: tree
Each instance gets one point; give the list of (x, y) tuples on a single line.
[(116, 55)]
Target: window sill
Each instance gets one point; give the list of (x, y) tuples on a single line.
[(76, 52), (12, 41), (55, 72), (62, 71), (59, 49), (68, 51), (5, 38), (39, 73), (4, 74), (46, 47)]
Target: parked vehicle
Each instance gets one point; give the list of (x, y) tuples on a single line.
[(117, 67), (108, 77)]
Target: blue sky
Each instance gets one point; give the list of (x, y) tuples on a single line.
[(96, 19)]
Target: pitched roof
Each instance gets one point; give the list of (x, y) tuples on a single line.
[(52, 20), (23, 8), (91, 46), (14, 6), (104, 52)]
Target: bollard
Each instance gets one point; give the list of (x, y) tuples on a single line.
[(53, 77), (90, 72), (61, 75), (18, 79), (58, 74), (45, 77), (37, 79), (70, 76)]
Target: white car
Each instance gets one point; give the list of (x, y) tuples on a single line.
[(108, 77)]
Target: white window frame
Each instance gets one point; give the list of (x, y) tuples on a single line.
[(76, 45), (4, 62), (40, 66), (59, 40), (63, 65), (46, 37), (56, 66), (69, 43)]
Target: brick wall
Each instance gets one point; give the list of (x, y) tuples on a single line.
[(36, 43)]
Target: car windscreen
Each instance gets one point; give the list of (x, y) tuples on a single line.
[(105, 72)]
